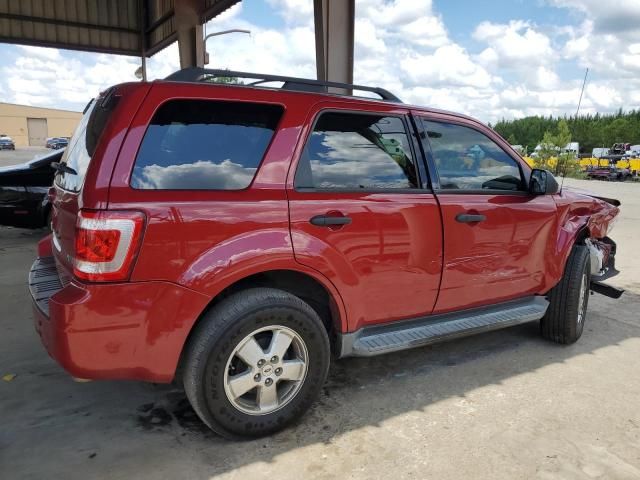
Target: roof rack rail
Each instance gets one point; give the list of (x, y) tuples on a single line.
[(197, 74)]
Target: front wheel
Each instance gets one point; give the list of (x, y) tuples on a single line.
[(256, 362), (565, 317)]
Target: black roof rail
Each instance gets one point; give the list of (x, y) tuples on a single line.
[(197, 74)]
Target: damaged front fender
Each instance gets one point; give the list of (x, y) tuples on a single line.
[(584, 218)]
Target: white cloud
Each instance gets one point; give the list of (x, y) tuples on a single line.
[(546, 78), (575, 47), (69, 81), (610, 16), (450, 65), (515, 44), (294, 11)]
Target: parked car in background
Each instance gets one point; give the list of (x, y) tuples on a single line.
[(23, 192), (240, 237), (59, 143), (6, 143)]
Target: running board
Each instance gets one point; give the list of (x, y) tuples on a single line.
[(606, 290), (402, 335)]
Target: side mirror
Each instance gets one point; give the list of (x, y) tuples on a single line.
[(542, 182)]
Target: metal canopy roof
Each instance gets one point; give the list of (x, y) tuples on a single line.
[(126, 27)]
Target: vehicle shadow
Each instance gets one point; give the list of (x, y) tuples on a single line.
[(367, 392)]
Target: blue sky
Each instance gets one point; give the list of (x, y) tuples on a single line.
[(498, 59), (462, 16)]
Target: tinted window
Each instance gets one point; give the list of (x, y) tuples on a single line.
[(356, 151), (467, 159), (204, 145), (76, 155)]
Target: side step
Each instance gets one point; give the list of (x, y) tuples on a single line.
[(606, 290), (392, 337)]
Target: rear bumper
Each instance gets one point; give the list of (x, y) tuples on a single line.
[(113, 330)]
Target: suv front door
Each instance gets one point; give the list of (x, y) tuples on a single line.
[(362, 215), (497, 236)]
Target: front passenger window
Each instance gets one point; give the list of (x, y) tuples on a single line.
[(469, 160)]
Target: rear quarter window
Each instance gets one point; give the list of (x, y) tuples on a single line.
[(77, 155), (82, 145), (204, 145)]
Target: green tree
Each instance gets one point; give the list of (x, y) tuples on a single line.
[(590, 130), (567, 162), (553, 145), (547, 150), (225, 79), (563, 137), (619, 130), (512, 140)]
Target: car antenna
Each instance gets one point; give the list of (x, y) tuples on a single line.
[(564, 167)]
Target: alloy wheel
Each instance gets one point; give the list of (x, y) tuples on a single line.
[(266, 370)]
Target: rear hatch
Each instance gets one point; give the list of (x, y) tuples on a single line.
[(70, 178)]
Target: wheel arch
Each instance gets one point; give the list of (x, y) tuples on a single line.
[(309, 286), (567, 238)]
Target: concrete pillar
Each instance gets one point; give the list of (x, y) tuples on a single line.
[(334, 26), (189, 31)]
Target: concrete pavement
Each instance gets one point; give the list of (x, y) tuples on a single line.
[(501, 405)]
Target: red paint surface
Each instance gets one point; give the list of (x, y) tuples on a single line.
[(390, 263), (119, 331), (504, 257)]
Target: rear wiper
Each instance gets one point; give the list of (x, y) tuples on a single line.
[(63, 168)]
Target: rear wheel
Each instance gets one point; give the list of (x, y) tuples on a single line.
[(565, 317), (256, 362)]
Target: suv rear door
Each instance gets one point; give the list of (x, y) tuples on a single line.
[(498, 238), (362, 214), (67, 190), (91, 153)]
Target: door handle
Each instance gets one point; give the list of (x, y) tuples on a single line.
[(329, 220), (470, 218)]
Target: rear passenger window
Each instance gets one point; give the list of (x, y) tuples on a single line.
[(357, 151), (204, 145), (469, 160)]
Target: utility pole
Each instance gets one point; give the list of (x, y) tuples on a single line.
[(584, 83)]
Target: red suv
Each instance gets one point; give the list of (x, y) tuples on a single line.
[(233, 237)]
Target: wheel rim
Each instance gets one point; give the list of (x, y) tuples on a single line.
[(583, 297), (266, 370)]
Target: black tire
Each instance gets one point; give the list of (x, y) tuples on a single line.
[(215, 340), (562, 323)]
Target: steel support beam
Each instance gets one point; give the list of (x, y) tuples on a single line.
[(334, 26), (189, 34)]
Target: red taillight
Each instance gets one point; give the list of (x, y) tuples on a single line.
[(97, 245), (106, 244)]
